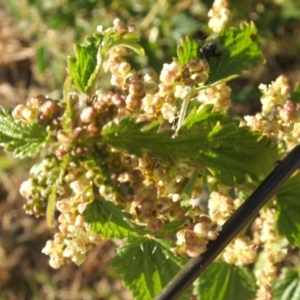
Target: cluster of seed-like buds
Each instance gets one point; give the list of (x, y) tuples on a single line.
[(274, 248), (219, 15), (218, 95), (39, 108), (156, 199), (75, 238), (179, 83), (89, 117), (279, 115), (38, 188), (240, 252), (138, 88), (194, 239), (142, 93), (135, 85)]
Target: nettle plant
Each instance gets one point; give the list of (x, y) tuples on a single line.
[(157, 162)]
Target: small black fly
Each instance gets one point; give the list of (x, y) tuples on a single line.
[(210, 49)]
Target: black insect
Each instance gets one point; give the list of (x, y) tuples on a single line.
[(210, 49)]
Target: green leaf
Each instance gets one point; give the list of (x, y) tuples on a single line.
[(240, 153), (206, 139), (240, 51), (287, 288), (120, 38), (221, 281), (86, 65), (169, 228), (108, 220), (187, 50), (288, 210), (146, 266), (20, 139), (83, 66)]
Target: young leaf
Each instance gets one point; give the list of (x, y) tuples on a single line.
[(240, 51), (107, 220), (207, 138), (23, 140), (146, 266), (221, 281), (187, 50), (121, 38), (288, 210), (287, 288), (85, 67)]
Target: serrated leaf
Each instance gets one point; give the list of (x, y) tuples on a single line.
[(241, 153), (139, 137), (108, 220), (287, 288), (221, 281), (207, 138), (187, 50), (240, 51), (146, 266), (85, 67), (20, 139), (288, 210)]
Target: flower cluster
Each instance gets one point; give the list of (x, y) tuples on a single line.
[(218, 95), (240, 252), (38, 188), (151, 100), (277, 93), (274, 251), (194, 240), (221, 207), (38, 108), (75, 238), (280, 116), (219, 15)]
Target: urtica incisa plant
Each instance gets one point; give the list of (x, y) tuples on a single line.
[(157, 162)]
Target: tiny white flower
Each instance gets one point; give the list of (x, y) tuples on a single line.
[(26, 188), (169, 112)]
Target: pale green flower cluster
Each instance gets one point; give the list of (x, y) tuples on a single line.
[(219, 15), (280, 116), (74, 238), (274, 251)]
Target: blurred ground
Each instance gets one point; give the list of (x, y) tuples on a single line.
[(24, 270)]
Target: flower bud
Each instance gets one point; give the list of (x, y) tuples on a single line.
[(201, 230), (49, 108), (88, 114), (194, 65), (18, 111)]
